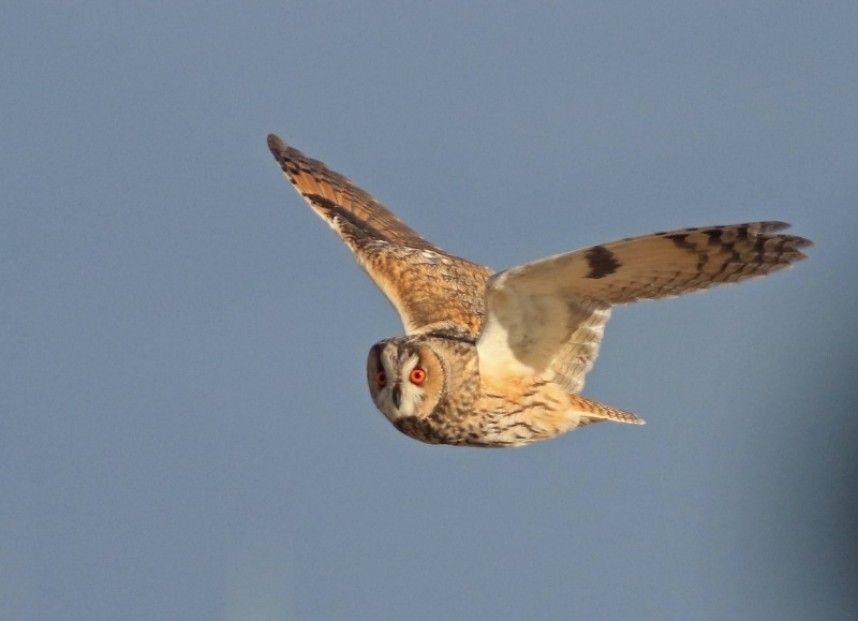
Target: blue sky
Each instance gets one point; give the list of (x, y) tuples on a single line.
[(185, 429)]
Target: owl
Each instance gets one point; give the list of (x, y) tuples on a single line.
[(499, 359)]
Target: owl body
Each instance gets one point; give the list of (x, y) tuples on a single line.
[(499, 359), (449, 402)]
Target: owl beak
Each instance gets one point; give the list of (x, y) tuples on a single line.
[(396, 393)]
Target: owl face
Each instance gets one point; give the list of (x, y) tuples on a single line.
[(406, 378)]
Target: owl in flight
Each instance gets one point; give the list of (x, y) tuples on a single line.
[(499, 359)]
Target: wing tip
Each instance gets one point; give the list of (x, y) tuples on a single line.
[(292, 162), (770, 226), (276, 145), (773, 226)]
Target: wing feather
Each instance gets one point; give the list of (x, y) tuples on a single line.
[(547, 317), (430, 289)]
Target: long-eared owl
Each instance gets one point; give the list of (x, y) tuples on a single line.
[(499, 359)]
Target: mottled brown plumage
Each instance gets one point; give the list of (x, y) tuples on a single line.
[(410, 271), (499, 360)]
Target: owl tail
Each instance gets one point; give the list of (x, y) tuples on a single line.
[(593, 412)]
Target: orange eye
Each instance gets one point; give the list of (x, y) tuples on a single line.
[(380, 378), (417, 376)]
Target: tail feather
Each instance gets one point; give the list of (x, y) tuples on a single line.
[(593, 411)]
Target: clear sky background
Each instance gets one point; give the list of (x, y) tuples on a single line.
[(185, 429)]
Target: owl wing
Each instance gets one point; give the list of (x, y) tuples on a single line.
[(547, 317), (431, 290)]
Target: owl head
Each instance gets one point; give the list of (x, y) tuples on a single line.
[(407, 377)]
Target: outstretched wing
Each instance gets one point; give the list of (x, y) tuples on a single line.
[(547, 317), (431, 290)]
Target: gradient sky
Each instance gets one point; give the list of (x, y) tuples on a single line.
[(185, 429)]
